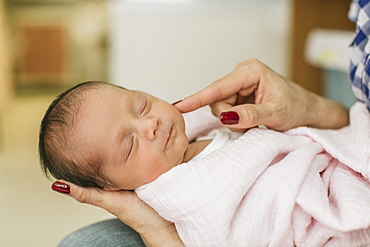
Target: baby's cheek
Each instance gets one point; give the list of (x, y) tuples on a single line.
[(154, 168)]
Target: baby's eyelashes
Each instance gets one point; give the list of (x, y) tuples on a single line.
[(129, 146), (144, 107)]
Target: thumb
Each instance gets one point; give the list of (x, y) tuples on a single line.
[(243, 117)]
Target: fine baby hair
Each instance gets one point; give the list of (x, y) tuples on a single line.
[(57, 144)]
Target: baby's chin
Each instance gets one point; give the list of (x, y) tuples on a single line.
[(181, 159)]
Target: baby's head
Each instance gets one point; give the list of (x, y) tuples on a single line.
[(104, 136)]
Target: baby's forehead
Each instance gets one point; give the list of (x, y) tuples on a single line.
[(105, 95), (103, 88), (100, 93)]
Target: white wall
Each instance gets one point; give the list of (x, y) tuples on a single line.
[(173, 50)]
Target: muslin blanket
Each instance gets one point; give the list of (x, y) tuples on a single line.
[(303, 187)]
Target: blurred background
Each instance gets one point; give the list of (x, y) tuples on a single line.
[(169, 48)]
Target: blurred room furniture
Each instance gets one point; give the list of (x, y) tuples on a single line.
[(309, 14), (5, 92), (56, 44), (328, 50)]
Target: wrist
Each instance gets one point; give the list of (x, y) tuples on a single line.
[(164, 237), (327, 113)]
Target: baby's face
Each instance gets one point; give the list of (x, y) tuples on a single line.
[(136, 136)]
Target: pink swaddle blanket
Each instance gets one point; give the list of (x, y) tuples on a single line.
[(303, 187)]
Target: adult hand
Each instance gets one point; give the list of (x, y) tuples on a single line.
[(253, 95), (127, 206)]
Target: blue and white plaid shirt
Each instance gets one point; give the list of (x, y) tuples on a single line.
[(360, 51)]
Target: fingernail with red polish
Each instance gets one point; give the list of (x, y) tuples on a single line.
[(229, 118), (176, 102), (61, 187)]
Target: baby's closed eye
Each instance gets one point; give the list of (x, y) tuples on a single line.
[(129, 146)]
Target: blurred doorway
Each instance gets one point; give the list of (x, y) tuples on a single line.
[(56, 43)]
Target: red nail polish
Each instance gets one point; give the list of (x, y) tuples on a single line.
[(61, 187), (229, 118), (176, 102)]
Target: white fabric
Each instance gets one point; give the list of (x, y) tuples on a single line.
[(304, 187), (200, 122), (219, 137)]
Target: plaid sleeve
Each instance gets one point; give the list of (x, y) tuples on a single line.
[(360, 51)]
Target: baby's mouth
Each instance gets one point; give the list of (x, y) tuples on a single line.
[(169, 135)]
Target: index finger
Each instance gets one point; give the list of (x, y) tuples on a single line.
[(238, 80), (112, 201), (83, 195)]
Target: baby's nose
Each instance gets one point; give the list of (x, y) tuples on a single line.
[(148, 127)]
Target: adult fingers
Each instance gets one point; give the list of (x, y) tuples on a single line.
[(240, 80), (243, 117), (234, 100), (223, 105), (112, 201), (115, 202), (214, 92), (83, 195), (126, 205), (246, 116)]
